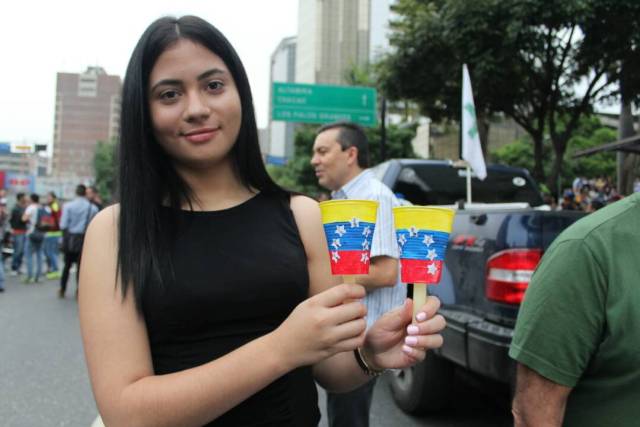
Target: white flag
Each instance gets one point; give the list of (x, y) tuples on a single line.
[(471, 148)]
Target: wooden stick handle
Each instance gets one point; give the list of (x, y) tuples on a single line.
[(419, 298), (349, 279)]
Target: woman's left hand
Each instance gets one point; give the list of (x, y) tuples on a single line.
[(394, 342)]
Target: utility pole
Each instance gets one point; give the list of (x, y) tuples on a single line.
[(383, 129)]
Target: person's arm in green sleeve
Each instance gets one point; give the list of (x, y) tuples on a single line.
[(558, 329)]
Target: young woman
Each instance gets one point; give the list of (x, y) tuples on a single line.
[(206, 293)]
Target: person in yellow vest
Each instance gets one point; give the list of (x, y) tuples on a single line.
[(52, 236)]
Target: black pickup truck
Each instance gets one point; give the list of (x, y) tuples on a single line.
[(494, 247)]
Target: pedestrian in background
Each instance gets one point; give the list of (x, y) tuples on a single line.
[(340, 159), (224, 310), (4, 216), (94, 197), (53, 235), (18, 232), (74, 221), (34, 241)]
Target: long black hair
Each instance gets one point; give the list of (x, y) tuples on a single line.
[(147, 178)]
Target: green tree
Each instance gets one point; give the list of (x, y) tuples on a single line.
[(611, 34), (431, 41), (398, 142), (525, 58), (611, 37), (297, 174), (520, 154), (105, 169), (590, 133)]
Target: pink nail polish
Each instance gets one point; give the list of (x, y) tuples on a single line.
[(406, 349), (421, 316), (411, 340), (413, 329)]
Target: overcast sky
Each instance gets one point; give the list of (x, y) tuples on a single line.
[(40, 38)]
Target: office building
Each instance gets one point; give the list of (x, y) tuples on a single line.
[(87, 111), (281, 134), (333, 36)]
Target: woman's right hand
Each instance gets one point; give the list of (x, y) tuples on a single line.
[(330, 322)]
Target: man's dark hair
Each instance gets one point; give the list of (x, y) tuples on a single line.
[(19, 196), (597, 204), (146, 174), (34, 198), (81, 190), (350, 135)]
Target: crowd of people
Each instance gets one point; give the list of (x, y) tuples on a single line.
[(588, 194), (37, 229)]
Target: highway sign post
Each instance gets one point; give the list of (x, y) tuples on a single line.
[(307, 103)]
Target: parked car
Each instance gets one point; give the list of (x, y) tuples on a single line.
[(495, 245)]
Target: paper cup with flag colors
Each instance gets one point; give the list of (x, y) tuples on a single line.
[(423, 234), (349, 225)]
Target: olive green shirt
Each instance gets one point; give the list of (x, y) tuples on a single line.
[(579, 324)]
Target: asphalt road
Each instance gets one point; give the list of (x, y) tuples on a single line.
[(476, 404), (43, 379), (44, 382)]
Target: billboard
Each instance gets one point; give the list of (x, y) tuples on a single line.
[(20, 183)]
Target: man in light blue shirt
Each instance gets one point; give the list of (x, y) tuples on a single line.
[(340, 159), (75, 219)]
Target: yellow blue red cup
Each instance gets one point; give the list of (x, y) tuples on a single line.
[(423, 234), (349, 226)]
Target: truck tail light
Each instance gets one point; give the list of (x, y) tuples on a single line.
[(509, 273)]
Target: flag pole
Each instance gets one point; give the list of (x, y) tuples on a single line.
[(468, 183)]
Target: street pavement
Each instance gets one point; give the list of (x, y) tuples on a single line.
[(43, 378), (475, 404), (44, 381)]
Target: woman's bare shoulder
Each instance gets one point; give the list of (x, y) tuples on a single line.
[(303, 206), (307, 215), (105, 221)]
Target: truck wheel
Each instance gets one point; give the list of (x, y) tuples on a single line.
[(423, 388)]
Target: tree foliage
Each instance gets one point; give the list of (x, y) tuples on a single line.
[(621, 48), (611, 36), (589, 133), (105, 169), (432, 39), (297, 174), (531, 60)]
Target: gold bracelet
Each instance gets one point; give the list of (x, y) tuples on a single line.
[(365, 366)]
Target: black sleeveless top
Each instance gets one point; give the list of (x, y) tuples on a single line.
[(239, 273)]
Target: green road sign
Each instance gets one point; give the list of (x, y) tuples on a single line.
[(305, 103)]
